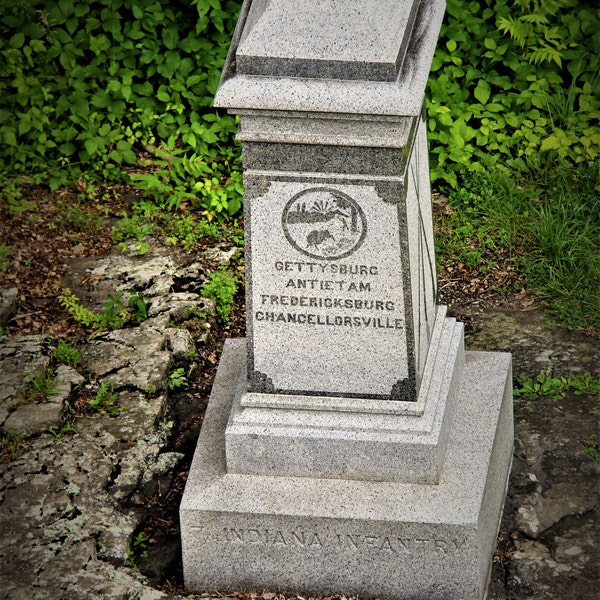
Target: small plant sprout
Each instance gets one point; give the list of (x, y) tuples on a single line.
[(10, 445), (5, 251), (41, 384), (58, 434), (137, 549), (177, 378), (105, 400), (138, 306), (591, 447), (221, 288), (556, 387)]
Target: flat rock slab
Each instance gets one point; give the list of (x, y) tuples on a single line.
[(129, 357), (158, 272), (535, 344), (20, 358)]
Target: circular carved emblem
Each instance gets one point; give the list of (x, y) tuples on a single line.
[(324, 223)]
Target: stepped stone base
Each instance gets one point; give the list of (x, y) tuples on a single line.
[(350, 438), (371, 539)]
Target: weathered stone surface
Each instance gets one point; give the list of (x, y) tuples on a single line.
[(179, 305), (64, 373), (160, 271), (129, 358), (179, 342), (20, 358), (61, 519), (565, 565), (158, 475), (536, 345), (8, 305), (34, 418), (553, 505), (65, 528)]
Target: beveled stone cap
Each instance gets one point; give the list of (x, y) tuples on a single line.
[(360, 57), (328, 39)]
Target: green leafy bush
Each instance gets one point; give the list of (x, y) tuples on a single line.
[(67, 354), (221, 288), (178, 177), (88, 84), (114, 314), (515, 84)]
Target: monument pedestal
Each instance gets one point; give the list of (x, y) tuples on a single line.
[(364, 439), (384, 539), (351, 445)]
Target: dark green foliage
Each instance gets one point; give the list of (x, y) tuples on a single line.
[(87, 84), (515, 84)]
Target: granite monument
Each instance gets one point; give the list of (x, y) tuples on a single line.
[(350, 445)]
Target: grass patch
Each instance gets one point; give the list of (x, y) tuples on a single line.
[(564, 265), (592, 448), (546, 226), (80, 219), (5, 252), (41, 385), (10, 445)]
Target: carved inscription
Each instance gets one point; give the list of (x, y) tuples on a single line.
[(299, 538), (319, 285), (327, 281)]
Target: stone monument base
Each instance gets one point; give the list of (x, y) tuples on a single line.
[(353, 438), (381, 539)]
